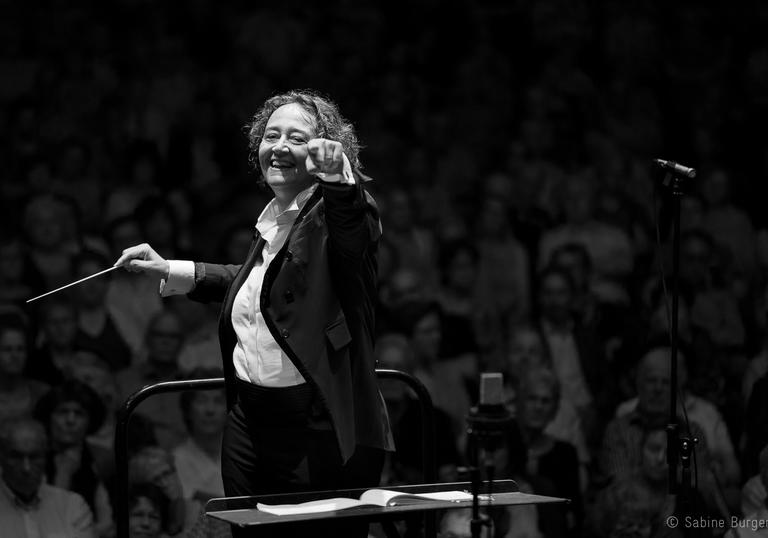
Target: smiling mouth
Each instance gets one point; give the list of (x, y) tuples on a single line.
[(280, 165)]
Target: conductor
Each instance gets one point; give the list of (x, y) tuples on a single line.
[(296, 325)]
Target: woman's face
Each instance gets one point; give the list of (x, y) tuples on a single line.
[(208, 412), (283, 149), (537, 406), (655, 456), (144, 519), (13, 352), (526, 349), (69, 423), (426, 337)]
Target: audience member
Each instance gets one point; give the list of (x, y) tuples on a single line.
[(51, 361), (147, 511), (729, 225), (18, 394), (132, 300), (29, 507), (503, 262), (609, 247), (198, 458), (164, 340), (414, 246), (755, 433), (471, 322), (154, 465), (17, 282), (549, 458), (405, 465), (575, 352), (621, 454), (70, 412), (754, 494), (447, 380), (97, 329), (700, 412), (45, 230)]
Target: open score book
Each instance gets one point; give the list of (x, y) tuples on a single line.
[(371, 497)]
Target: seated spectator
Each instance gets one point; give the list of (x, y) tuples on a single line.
[(471, 321), (730, 226), (575, 353), (449, 381), (637, 504), (758, 365), (147, 511), (705, 286), (154, 465), (754, 494), (97, 329), (201, 326), (91, 369), (621, 455), (755, 433), (70, 412), (17, 282), (18, 394), (503, 262), (702, 413), (58, 323), (549, 458), (46, 231), (414, 246), (30, 508), (198, 458), (610, 248), (132, 299), (402, 287), (527, 353), (509, 460), (164, 341), (158, 220), (404, 466)]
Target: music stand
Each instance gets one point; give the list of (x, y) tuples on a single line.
[(242, 511)]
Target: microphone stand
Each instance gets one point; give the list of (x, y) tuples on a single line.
[(678, 448), (487, 425)]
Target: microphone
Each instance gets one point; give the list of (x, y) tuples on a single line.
[(489, 420), (676, 168)]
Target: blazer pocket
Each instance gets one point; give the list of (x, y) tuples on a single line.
[(338, 333)]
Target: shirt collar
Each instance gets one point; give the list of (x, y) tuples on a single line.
[(271, 215), (18, 502)]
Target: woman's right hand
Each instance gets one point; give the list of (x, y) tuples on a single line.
[(143, 259)]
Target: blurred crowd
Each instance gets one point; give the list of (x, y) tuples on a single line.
[(525, 232)]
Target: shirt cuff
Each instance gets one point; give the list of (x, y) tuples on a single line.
[(346, 177), (181, 278)]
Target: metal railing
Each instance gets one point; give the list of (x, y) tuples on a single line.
[(133, 401)]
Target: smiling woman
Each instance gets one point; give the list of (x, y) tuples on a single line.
[(297, 325)]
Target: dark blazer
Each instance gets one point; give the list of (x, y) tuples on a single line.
[(318, 299)]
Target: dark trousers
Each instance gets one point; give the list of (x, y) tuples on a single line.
[(276, 442)]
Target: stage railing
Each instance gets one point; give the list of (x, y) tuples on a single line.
[(133, 401)]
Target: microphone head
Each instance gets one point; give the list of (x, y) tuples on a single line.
[(491, 389)]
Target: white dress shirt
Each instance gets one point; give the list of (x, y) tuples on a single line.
[(257, 357)]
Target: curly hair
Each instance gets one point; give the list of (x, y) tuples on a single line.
[(326, 117)]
